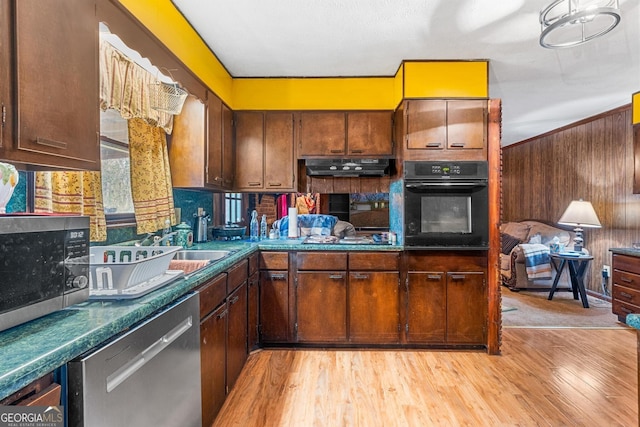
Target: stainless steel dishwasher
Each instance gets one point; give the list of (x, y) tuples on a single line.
[(149, 376)]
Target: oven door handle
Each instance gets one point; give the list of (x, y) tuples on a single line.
[(421, 186)]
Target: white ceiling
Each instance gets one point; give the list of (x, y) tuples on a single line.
[(541, 89)]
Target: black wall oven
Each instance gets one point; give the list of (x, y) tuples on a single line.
[(446, 205)]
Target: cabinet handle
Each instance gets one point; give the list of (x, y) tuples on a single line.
[(217, 178), (335, 276), (626, 310), (357, 151), (234, 300), (51, 143), (458, 144), (626, 280), (434, 276), (360, 276), (433, 145), (228, 181), (275, 184), (337, 151), (224, 313), (254, 184), (278, 277), (457, 277), (626, 295)]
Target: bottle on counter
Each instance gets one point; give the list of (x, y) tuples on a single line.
[(263, 228), (254, 226)]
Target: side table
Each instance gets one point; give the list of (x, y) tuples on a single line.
[(577, 269)]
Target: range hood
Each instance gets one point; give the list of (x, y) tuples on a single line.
[(347, 167)]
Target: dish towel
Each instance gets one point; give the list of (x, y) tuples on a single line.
[(536, 260)]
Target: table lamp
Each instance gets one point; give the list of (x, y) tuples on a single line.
[(579, 214)]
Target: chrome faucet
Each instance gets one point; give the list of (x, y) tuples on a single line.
[(141, 241), (158, 241)]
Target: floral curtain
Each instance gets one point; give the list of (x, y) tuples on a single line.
[(151, 187), (73, 193), (125, 86)]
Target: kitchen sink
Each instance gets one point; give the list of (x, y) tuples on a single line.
[(205, 255)]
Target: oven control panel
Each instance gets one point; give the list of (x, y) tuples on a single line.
[(441, 170)]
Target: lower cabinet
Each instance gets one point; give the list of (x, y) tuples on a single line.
[(253, 304), (223, 336), (374, 308), (446, 300), (274, 323)]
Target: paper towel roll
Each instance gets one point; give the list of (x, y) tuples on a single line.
[(293, 222)]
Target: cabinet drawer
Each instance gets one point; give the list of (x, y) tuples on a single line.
[(626, 263), (626, 295), (212, 294), (374, 261), (274, 260), (322, 261), (626, 279), (622, 309), (237, 275)]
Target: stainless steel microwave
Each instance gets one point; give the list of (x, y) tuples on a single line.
[(44, 265)]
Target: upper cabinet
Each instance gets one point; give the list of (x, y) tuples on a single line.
[(265, 151), (353, 133), (201, 150), (55, 75), (437, 129)]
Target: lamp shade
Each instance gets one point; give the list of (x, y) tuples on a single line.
[(580, 214)]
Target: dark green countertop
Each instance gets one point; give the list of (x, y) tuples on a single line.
[(35, 348)]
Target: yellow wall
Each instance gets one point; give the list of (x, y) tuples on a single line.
[(636, 108), (417, 79)]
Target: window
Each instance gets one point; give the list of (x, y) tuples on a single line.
[(116, 177), (232, 208)]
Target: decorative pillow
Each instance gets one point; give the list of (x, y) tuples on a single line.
[(535, 239), (516, 229), (508, 243)]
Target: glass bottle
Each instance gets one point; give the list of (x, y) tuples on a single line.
[(263, 228), (254, 225)]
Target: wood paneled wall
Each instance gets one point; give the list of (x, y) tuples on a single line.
[(593, 160)]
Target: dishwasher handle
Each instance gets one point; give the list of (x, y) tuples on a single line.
[(133, 365)]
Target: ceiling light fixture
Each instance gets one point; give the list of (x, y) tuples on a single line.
[(567, 23)]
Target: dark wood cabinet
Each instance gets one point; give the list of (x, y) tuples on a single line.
[(213, 329), (321, 297), (426, 320), (436, 129), (237, 334), (265, 156), (253, 304), (446, 298), (322, 134), (55, 111), (220, 155), (340, 133), (274, 297), (374, 307), (626, 286)]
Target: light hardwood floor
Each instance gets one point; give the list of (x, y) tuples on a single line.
[(544, 377)]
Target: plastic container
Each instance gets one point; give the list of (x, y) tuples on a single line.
[(121, 267)]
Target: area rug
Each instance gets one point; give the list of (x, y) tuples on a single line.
[(534, 310)]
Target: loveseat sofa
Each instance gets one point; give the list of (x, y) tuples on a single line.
[(512, 259)]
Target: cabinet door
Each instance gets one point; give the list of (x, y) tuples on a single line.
[(213, 361), (466, 308), (237, 334), (374, 315), (253, 307), (188, 145), (274, 306), (214, 141), (249, 151), (426, 124), (57, 81), (322, 306), (322, 134), (228, 152), (369, 133), (279, 154), (466, 128), (426, 307)]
